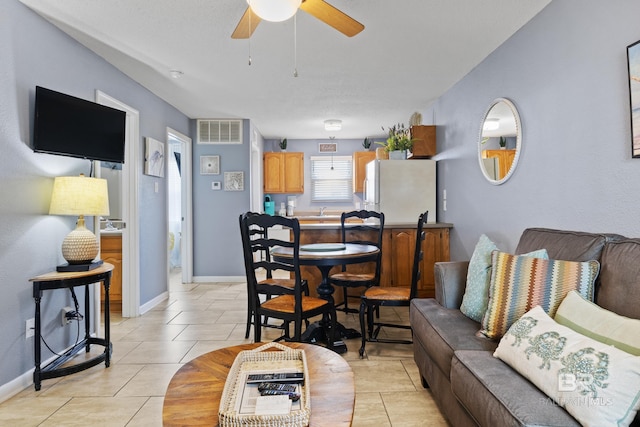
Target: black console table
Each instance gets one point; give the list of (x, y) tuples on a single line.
[(57, 280)]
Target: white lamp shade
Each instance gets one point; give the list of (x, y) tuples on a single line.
[(79, 195), (274, 10)]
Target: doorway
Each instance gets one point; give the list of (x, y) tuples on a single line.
[(179, 214)]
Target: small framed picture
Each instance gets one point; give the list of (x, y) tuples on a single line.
[(216, 185), (209, 165), (234, 181), (327, 147), (154, 157)]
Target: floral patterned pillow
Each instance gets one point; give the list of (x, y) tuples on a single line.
[(597, 384)]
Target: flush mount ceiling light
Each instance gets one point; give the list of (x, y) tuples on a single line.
[(491, 124), (274, 10), (332, 124)]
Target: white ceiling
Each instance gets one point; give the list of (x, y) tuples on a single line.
[(410, 53)]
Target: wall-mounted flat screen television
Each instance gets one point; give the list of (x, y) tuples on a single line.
[(70, 126)]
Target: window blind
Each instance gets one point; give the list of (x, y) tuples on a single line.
[(331, 179)]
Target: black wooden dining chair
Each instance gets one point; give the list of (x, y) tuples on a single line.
[(267, 286), (296, 306), (381, 296), (367, 232)]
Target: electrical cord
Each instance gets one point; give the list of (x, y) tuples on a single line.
[(77, 319)]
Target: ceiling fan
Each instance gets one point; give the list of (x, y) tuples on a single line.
[(317, 8)]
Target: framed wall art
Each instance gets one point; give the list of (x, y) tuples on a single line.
[(633, 62), (234, 181), (209, 165), (327, 147), (154, 157)]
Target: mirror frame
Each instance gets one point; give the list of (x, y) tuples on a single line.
[(518, 148)]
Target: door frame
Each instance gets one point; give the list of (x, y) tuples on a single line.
[(186, 238), (131, 170)]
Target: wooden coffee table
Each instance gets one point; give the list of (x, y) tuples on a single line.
[(193, 395)]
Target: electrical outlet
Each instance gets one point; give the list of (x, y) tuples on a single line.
[(30, 328), (64, 320)]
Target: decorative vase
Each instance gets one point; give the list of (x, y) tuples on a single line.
[(398, 155), (381, 153)]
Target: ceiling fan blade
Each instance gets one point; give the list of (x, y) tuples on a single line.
[(247, 25), (332, 16)]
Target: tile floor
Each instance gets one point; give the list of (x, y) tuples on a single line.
[(198, 318)]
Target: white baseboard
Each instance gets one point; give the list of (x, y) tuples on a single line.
[(10, 389), (209, 279), (151, 304)]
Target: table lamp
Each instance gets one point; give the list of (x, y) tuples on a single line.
[(79, 195)]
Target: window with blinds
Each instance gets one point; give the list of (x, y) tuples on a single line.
[(331, 178)]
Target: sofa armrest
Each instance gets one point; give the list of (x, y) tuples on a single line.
[(451, 280)]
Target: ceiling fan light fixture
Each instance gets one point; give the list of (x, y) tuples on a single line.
[(274, 10), (332, 125)]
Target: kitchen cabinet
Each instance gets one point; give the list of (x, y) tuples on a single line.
[(284, 173), (398, 245), (505, 160), (424, 146), (111, 252), (360, 160)]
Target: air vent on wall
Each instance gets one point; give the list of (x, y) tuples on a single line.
[(219, 131)]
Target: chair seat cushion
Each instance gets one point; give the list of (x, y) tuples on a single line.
[(286, 303), (345, 276), (387, 294)]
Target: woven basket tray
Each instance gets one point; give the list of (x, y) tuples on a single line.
[(255, 360)]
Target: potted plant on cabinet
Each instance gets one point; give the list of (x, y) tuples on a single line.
[(283, 144), (398, 142), (366, 143)]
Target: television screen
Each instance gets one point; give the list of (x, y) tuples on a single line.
[(75, 127)]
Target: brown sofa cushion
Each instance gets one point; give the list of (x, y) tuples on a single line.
[(566, 245), (619, 279)]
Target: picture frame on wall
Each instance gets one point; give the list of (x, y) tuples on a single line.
[(234, 181), (328, 147), (209, 165), (154, 157), (633, 63)]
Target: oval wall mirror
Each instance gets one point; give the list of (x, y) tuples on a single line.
[(500, 141)]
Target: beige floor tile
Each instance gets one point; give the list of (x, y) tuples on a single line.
[(158, 352), (28, 411), (370, 411), (93, 411), (150, 415), (381, 376), (213, 332), (151, 380), (202, 347), (150, 332), (95, 381), (413, 409), (203, 317)]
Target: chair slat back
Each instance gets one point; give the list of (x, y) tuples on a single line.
[(418, 254)]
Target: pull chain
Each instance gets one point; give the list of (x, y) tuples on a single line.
[(295, 45)]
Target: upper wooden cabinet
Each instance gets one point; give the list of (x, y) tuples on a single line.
[(424, 145), (284, 173), (505, 160), (360, 160)]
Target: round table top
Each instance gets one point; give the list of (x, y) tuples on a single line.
[(352, 253), (193, 395)]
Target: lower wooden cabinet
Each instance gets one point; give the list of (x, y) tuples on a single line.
[(397, 258), (111, 252)]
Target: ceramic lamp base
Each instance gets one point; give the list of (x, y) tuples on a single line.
[(80, 246)]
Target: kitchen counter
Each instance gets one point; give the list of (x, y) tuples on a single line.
[(387, 225)]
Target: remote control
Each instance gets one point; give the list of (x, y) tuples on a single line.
[(283, 377), (293, 396), (276, 386)]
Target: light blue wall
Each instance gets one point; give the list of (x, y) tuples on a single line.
[(566, 72), (33, 52)]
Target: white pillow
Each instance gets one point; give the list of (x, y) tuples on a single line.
[(597, 384), (587, 318)]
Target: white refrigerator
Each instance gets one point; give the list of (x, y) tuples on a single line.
[(401, 189)]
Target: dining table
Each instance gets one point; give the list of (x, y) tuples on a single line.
[(325, 256)]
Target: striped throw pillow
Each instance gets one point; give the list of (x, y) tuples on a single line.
[(519, 283)]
